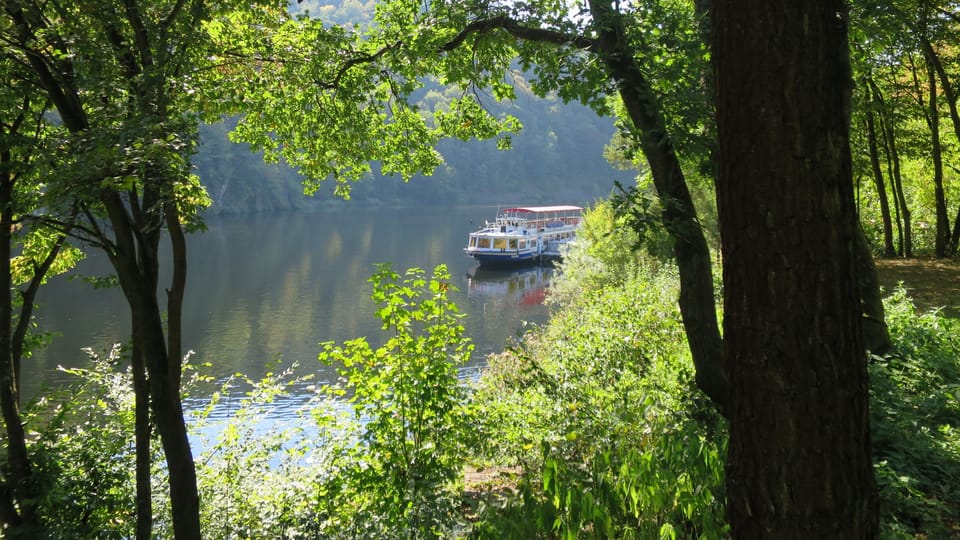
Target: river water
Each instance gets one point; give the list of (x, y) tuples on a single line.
[(267, 289)]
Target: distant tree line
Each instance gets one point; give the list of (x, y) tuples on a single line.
[(558, 157)]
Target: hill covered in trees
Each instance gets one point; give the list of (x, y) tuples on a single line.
[(557, 157)]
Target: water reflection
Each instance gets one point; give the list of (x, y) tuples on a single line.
[(267, 288), (523, 288)]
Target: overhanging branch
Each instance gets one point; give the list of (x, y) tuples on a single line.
[(517, 30), (357, 60)]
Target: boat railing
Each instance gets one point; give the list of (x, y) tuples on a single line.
[(535, 223), (550, 223)]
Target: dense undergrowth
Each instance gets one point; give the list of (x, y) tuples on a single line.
[(597, 409)]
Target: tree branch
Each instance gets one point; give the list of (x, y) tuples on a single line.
[(515, 29), (356, 61)]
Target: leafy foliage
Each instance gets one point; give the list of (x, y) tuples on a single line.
[(87, 488), (257, 474), (397, 479), (600, 408), (329, 100), (914, 417)]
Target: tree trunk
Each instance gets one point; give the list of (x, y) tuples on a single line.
[(893, 166), (905, 248), (19, 489), (799, 462), (136, 262), (942, 232), (933, 60), (133, 250), (888, 248), (697, 305), (142, 436), (955, 235), (876, 334)]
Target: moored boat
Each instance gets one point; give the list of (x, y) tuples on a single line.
[(525, 235)]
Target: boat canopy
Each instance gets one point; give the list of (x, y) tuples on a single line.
[(540, 209)]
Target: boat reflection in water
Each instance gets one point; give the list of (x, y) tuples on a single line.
[(523, 287)]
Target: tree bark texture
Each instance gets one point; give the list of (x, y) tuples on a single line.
[(142, 435), (799, 464), (697, 305)]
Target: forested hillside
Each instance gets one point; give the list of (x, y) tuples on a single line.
[(557, 157)]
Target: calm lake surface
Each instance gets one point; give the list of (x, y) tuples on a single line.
[(270, 288)]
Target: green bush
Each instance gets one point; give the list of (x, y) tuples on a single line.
[(600, 409), (82, 453), (399, 477), (257, 475), (915, 410)]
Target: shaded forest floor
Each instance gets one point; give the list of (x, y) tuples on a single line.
[(932, 283)]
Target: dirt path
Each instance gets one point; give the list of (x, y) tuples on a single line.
[(931, 283)]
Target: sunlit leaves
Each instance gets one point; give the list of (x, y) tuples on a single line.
[(332, 101), (396, 480), (35, 247)]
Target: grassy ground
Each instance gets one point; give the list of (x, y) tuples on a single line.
[(932, 283)]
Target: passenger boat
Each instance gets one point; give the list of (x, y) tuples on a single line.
[(525, 235)]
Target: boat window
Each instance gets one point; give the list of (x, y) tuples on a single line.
[(499, 243), (523, 244), (513, 243), (484, 242), (473, 241)]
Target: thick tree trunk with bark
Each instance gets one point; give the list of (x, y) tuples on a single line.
[(799, 461), (679, 216)]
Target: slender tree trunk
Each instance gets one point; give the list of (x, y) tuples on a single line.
[(955, 235), (178, 285), (876, 334), (942, 232), (142, 439), (619, 55), (799, 464), (888, 248), (136, 262), (950, 96), (903, 211), (948, 92), (697, 305), (892, 162), (133, 252), (18, 478)]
